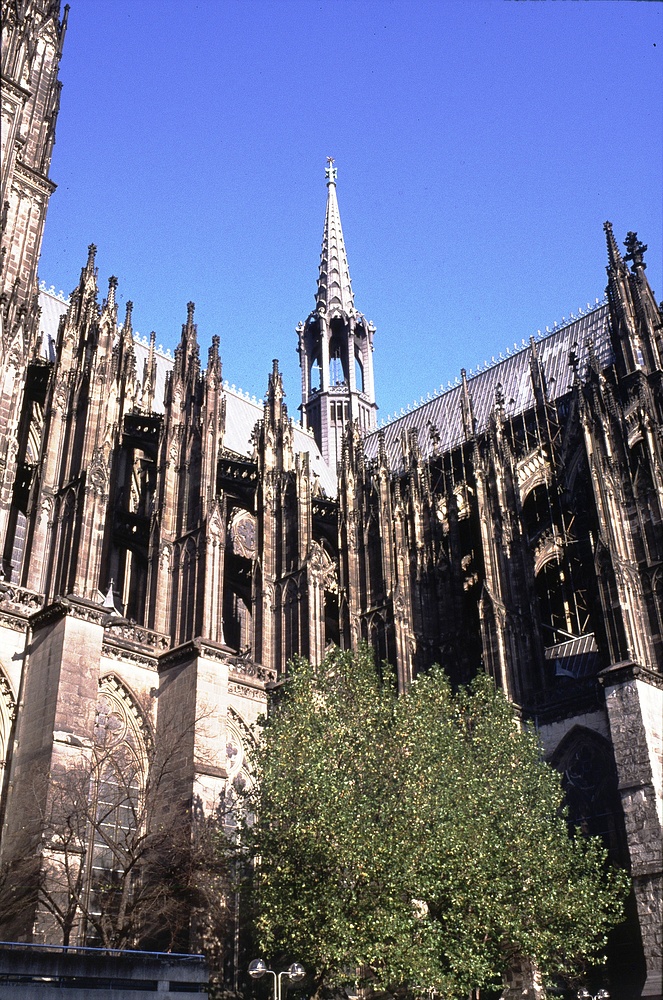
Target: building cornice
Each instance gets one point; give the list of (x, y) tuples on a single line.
[(75, 607), (39, 182), (13, 87), (628, 670), (193, 648)]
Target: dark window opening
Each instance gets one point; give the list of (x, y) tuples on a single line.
[(359, 373)]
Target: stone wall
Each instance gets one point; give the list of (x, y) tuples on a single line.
[(634, 702), (35, 973)]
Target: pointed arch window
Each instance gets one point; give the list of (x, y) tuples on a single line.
[(315, 375), (589, 779), (7, 713), (336, 373), (116, 808), (239, 742)]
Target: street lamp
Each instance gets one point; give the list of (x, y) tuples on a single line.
[(294, 972), (585, 995)]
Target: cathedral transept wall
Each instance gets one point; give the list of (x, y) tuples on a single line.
[(168, 543)]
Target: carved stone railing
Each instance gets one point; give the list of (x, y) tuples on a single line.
[(549, 546), (138, 635), (27, 601), (248, 670)]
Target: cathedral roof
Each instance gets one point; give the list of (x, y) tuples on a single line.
[(53, 305), (334, 294), (242, 410), (443, 415)]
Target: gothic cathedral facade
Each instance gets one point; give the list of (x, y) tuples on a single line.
[(167, 543)]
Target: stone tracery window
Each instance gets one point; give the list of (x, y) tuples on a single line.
[(238, 742), (7, 712), (116, 806)]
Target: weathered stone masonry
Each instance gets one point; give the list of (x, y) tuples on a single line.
[(168, 543)]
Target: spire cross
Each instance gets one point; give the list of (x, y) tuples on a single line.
[(331, 172)]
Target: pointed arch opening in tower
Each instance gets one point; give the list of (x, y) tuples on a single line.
[(315, 374), (359, 370), (338, 354)]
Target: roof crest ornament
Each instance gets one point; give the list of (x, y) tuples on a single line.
[(331, 173)]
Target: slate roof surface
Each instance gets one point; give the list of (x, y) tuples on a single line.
[(513, 373), (53, 305)]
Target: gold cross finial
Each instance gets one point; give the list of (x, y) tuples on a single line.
[(330, 171)]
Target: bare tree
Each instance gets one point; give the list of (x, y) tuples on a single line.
[(118, 870)]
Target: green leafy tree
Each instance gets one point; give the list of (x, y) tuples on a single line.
[(419, 838)]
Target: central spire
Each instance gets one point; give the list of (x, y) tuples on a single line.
[(334, 295), (335, 346)]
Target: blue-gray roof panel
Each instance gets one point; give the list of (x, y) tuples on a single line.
[(513, 374)]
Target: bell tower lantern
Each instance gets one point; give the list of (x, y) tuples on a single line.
[(335, 345)]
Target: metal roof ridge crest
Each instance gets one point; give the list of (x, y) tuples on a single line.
[(494, 363)]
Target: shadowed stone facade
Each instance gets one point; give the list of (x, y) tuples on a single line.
[(169, 543)]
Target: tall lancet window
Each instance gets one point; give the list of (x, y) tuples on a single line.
[(7, 712), (117, 817)]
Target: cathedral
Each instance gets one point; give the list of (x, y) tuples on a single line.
[(167, 542)]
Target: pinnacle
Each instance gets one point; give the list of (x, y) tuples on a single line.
[(614, 256), (636, 250), (334, 295), (112, 286), (127, 317)]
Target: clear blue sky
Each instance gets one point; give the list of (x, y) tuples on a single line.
[(480, 147)]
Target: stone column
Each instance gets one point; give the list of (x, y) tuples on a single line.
[(55, 724), (523, 982), (191, 724), (634, 701)]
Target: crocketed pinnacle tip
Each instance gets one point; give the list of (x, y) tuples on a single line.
[(91, 254), (334, 294), (614, 256), (112, 286), (127, 317)]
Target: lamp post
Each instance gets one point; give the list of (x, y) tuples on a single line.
[(583, 994), (294, 972)]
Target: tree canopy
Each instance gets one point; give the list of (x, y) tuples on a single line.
[(420, 838)]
